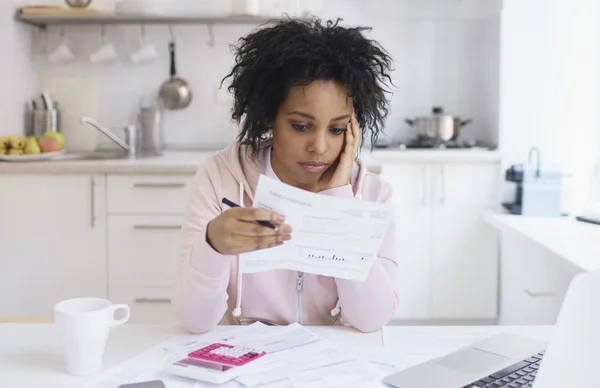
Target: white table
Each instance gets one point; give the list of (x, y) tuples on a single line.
[(30, 356)]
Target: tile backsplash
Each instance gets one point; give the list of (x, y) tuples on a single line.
[(447, 61)]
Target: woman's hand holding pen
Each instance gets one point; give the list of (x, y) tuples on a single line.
[(237, 231)]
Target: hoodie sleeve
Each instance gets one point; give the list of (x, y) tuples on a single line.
[(369, 305), (200, 294)]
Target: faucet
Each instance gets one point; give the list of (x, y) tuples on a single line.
[(129, 144)]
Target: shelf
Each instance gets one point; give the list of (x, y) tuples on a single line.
[(44, 20)]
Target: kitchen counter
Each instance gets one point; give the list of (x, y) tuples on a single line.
[(187, 162), (172, 162), (575, 243)]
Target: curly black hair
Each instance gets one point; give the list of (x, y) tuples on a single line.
[(272, 59)]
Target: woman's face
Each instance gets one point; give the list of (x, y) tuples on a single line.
[(308, 132)]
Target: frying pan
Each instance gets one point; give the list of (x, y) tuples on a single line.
[(175, 93)]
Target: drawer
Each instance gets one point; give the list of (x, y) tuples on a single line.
[(147, 194), (533, 284), (147, 305), (142, 250)]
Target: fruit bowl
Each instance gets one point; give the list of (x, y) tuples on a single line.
[(31, 157)]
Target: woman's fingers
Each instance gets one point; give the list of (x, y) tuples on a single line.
[(355, 133), (244, 244), (253, 214), (246, 228)]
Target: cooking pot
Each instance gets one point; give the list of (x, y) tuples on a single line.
[(439, 126)]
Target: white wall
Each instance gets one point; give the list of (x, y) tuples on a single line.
[(549, 86), (445, 51), (17, 79)]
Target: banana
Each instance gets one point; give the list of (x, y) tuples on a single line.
[(13, 142), (15, 152), (2, 150)]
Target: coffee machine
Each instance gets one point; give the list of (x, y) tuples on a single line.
[(538, 188)]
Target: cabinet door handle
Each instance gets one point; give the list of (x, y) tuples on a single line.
[(152, 300), (159, 185), (534, 294), (92, 202), (442, 186), (424, 186), (156, 227)]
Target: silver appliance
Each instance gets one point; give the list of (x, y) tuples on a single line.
[(538, 188)]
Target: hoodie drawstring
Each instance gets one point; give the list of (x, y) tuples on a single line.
[(237, 311), (336, 310)]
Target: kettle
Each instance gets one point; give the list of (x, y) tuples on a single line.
[(150, 137)]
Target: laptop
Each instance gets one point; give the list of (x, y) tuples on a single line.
[(569, 359)]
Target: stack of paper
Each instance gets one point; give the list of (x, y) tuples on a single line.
[(296, 357)]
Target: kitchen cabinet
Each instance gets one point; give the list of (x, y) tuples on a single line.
[(147, 193), (52, 242), (145, 214), (533, 286), (447, 255), (142, 264), (410, 182), (464, 268)]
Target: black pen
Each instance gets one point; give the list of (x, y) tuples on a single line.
[(263, 223)]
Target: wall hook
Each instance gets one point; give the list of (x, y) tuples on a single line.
[(211, 36), (171, 33)]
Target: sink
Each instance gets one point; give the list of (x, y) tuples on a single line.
[(97, 155)]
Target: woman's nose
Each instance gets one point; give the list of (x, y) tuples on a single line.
[(318, 143)]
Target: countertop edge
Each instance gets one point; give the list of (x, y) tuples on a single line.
[(495, 220)]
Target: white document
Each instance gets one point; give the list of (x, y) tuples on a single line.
[(296, 357), (304, 359), (331, 236)]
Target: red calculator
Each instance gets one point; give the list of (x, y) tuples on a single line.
[(216, 363), (226, 354)]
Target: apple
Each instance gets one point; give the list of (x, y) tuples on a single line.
[(55, 135), (49, 144)]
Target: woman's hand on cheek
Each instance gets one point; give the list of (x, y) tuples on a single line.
[(339, 173)]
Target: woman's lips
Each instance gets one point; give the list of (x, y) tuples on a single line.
[(313, 167)]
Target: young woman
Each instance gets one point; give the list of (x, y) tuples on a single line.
[(306, 94)]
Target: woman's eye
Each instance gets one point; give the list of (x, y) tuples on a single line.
[(300, 127), (338, 131)]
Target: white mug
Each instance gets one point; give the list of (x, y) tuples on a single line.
[(62, 54), (106, 53), (83, 325), (145, 53)]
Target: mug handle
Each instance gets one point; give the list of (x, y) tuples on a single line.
[(113, 309)]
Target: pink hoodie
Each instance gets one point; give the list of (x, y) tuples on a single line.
[(206, 288)]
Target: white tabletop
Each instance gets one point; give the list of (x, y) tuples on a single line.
[(30, 356), (574, 241)]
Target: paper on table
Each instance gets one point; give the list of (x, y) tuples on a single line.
[(331, 236), (305, 359), (296, 357)]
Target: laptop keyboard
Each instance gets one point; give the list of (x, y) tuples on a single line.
[(519, 375)]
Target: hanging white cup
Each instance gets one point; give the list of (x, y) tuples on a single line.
[(105, 53), (62, 53), (146, 51)]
